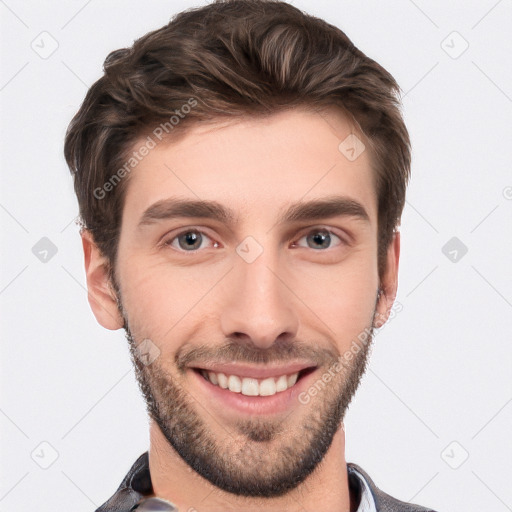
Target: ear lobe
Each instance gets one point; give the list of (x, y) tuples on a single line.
[(100, 294), (388, 283)]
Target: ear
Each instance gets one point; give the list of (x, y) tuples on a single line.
[(388, 282), (100, 292)]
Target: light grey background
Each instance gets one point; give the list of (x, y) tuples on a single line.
[(439, 385)]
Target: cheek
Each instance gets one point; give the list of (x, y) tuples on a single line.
[(343, 296), (159, 298)]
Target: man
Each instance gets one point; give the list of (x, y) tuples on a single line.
[(241, 174)]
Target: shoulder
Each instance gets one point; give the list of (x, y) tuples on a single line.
[(135, 485), (384, 502)]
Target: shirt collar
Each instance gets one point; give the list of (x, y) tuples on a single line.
[(358, 480)]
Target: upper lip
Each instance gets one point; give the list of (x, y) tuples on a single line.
[(256, 372)]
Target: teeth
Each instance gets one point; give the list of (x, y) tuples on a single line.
[(268, 387), (282, 383), (234, 384), (249, 386), (292, 379), (223, 380)]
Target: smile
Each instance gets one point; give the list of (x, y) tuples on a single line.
[(249, 386), (268, 395)]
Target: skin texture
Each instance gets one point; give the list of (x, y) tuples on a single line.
[(303, 297)]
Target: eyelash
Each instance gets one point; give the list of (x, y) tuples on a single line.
[(168, 242)]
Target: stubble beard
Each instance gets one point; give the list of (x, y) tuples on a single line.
[(257, 457)]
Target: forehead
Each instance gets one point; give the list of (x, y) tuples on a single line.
[(256, 165)]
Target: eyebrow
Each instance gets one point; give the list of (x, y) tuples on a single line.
[(174, 208), (333, 206)]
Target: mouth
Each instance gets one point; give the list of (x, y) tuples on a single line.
[(257, 396), (251, 386)]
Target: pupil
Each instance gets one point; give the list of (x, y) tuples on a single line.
[(321, 239), (191, 240)]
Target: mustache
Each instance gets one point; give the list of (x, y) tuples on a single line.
[(281, 351)]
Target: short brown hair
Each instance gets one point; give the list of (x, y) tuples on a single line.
[(232, 58)]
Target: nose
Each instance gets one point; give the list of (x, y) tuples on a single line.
[(257, 303)]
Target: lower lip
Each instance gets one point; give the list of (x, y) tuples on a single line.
[(253, 405)]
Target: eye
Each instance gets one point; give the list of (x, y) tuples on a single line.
[(320, 239), (189, 241)]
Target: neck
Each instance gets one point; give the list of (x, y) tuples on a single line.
[(326, 488)]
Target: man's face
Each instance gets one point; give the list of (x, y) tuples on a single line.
[(260, 289)]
